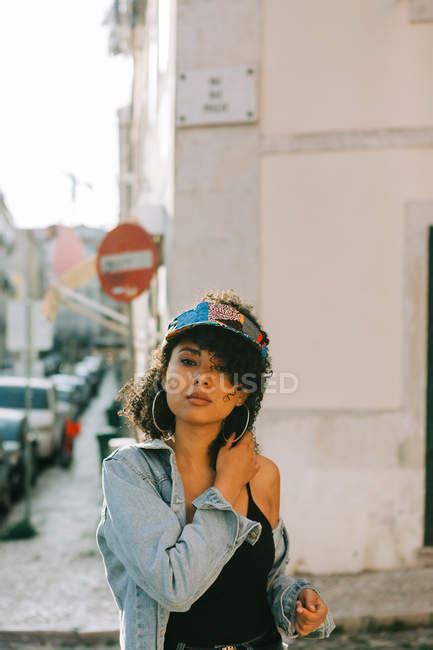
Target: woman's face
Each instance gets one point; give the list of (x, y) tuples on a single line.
[(192, 370)]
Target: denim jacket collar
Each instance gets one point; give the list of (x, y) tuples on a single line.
[(154, 443)]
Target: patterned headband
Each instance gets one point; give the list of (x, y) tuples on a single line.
[(220, 315)]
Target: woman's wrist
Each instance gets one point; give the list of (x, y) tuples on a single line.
[(229, 491)]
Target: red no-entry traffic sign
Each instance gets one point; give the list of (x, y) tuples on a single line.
[(126, 262)]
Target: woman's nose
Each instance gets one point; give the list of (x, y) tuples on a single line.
[(202, 378)]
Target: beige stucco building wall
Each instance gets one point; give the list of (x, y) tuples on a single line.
[(346, 94), (318, 213)]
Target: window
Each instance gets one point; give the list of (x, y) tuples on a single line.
[(14, 397)]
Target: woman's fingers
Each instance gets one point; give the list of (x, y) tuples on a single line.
[(307, 620), (308, 614)]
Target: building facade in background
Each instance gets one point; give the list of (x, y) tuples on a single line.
[(7, 278), (284, 148)]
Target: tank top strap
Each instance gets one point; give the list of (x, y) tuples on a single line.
[(254, 510)]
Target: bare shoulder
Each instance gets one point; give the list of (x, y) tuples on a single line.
[(268, 470), (266, 487)]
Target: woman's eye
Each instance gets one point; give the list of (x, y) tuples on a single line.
[(187, 361)]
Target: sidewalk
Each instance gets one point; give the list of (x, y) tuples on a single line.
[(56, 581), (54, 587), (355, 601), (380, 597)]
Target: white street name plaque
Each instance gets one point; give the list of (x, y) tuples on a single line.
[(216, 96)]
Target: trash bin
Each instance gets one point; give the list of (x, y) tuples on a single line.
[(103, 439), (111, 413)]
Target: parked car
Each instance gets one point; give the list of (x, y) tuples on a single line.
[(68, 399), (64, 381), (87, 373), (51, 363), (96, 364), (47, 421), (13, 434), (5, 486)]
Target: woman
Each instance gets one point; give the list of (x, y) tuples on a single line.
[(191, 537)]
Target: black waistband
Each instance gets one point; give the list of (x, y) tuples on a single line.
[(269, 640)]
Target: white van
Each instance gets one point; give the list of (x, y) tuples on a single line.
[(47, 422)]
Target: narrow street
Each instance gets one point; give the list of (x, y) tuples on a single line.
[(56, 581), (54, 584)]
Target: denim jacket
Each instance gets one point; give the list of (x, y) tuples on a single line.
[(155, 562)]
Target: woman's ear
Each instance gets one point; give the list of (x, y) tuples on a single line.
[(241, 397)]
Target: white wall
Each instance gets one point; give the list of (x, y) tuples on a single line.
[(344, 65), (345, 310), (309, 215), (215, 230)]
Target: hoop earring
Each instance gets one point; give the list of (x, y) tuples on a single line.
[(245, 427), (163, 431)]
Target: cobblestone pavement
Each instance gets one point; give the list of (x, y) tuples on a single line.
[(404, 594), (417, 638), (56, 580), (420, 638), (55, 645)]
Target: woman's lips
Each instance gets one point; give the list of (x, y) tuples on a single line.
[(197, 401)]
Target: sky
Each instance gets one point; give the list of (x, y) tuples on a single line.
[(60, 90)]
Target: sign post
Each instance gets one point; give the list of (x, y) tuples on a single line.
[(126, 262)]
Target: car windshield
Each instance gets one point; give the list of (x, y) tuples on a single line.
[(64, 395), (9, 430), (15, 397)]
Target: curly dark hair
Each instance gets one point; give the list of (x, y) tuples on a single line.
[(243, 362)]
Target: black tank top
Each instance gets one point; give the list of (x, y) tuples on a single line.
[(234, 608)]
